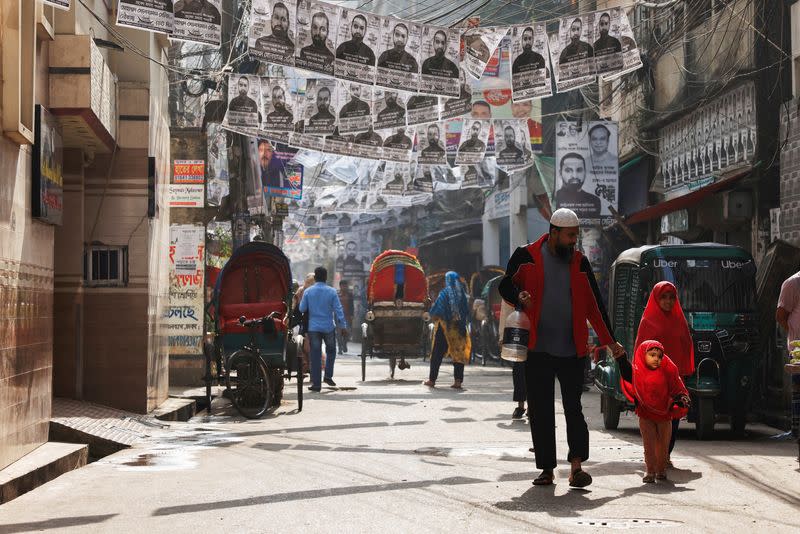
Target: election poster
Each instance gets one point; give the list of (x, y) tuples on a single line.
[(530, 65), (390, 107), (398, 63), (367, 144), (358, 39), (317, 24), (423, 179), (60, 4), (198, 22), (397, 144), (244, 93), (444, 179), (422, 109), (474, 139), (439, 47), (317, 115), (587, 169), (397, 177), (479, 45), (337, 143), (482, 175), (571, 53), (512, 143), (279, 105), (355, 107), (607, 45), (631, 57), (460, 105), (151, 15), (279, 175), (273, 31), (430, 143)]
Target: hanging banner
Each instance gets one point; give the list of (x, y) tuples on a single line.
[(368, 144), (279, 105), (631, 57), (479, 45), (482, 175), (397, 144), (186, 195), (279, 175), (512, 143), (65, 5), (150, 15), (439, 53), (244, 93), (423, 181), (273, 30), (607, 46), (422, 109), (359, 37), (198, 22), (184, 315), (188, 171), (355, 107), (461, 105), (431, 144), (391, 109), (472, 147), (397, 177), (316, 36), (398, 64), (318, 116), (587, 169), (337, 143), (571, 54), (530, 74), (444, 179)]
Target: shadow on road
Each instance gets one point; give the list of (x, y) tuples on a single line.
[(61, 522)]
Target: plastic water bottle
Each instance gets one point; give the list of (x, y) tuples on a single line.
[(515, 336)]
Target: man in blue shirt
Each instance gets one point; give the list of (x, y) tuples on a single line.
[(322, 303)]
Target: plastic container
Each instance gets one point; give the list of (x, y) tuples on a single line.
[(515, 336)]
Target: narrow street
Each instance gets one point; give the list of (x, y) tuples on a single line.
[(395, 456)]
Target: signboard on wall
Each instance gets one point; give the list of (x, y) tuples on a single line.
[(186, 195), (184, 316), (48, 169), (188, 171)]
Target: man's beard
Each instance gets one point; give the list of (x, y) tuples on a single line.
[(474, 137), (357, 38), (318, 41), (279, 32), (279, 107), (564, 252), (439, 53), (574, 185), (527, 48)]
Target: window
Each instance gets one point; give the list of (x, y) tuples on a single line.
[(105, 266)]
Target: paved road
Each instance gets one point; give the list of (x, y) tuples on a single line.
[(394, 456)]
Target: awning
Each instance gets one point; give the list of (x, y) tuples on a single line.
[(684, 201)]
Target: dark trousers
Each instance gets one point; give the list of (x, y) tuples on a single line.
[(541, 370), (315, 340), (437, 353), (518, 375), (675, 423)]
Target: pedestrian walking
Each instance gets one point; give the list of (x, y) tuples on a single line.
[(300, 319), (347, 300), (322, 304), (555, 285), (654, 385), (450, 314), (788, 313), (663, 321)]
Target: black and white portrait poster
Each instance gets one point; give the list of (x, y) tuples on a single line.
[(367, 144), (358, 39), (316, 109), (244, 93), (316, 36), (151, 15), (481, 175), (530, 65), (398, 62), (198, 21), (273, 31), (423, 179), (460, 105), (60, 4), (337, 143), (587, 169), (512, 143), (279, 105), (376, 202), (571, 53), (397, 144), (355, 107), (474, 137), (390, 109), (397, 177), (444, 179), (439, 47), (431, 144), (297, 139), (479, 45), (422, 109), (607, 45), (631, 58)]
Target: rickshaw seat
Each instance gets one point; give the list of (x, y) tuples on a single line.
[(230, 313)]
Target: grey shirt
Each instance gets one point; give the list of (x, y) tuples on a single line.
[(554, 332)]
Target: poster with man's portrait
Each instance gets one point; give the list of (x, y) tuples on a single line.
[(422, 109), (244, 95), (390, 108), (572, 54), (460, 105), (273, 31), (530, 65), (398, 62), (358, 40), (423, 179), (336, 143), (278, 104), (607, 45), (631, 57), (397, 177), (482, 175), (151, 15), (439, 47), (431, 144), (355, 107), (512, 143), (317, 24), (587, 170), (317, 113), (479, 45), (198, 21), (367, 145), (474, 139), (398, 143)]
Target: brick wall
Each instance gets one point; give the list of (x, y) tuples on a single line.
[(790, 172)]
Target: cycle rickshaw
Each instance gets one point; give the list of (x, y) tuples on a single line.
[(253, 349)]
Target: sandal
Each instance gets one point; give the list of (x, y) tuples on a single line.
[(456, 384), (661, 476), (429, 383), (545, 479), (649, 478), (580, 479)]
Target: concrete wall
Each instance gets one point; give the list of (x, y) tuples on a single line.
[(790, 173)]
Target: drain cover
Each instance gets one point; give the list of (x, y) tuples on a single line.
[(620, 524)]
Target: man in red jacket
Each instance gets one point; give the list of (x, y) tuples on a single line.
[(555, 285)]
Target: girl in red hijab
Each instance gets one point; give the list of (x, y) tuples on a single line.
[(663, 321), (654, 385)]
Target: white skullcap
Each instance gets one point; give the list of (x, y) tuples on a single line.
[(564, 218)]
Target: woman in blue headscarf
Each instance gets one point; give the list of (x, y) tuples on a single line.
[(450, 314)]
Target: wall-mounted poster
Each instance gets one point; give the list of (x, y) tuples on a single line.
[(571, 53), (359, 37), (198, 21), (244, 94), (273, 31), (184, 316), (439, 55), (48, 169), (188, 171), (186, 195), (474, 138), (151, 15), (530, 68), (398, 63), (587, 169), (317, 23)]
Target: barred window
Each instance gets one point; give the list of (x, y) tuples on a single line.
[(105, 266)]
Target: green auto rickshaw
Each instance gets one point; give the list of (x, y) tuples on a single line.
[(716, 288)]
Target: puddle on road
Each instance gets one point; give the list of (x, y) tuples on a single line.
[(499, 452)]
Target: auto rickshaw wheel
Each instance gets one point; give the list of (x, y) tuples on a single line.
[(250, 385), (611, 410), (705, 418)]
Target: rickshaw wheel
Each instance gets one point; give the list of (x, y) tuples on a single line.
[(705, 418), (250, 387), (611, 410), (363, 366)]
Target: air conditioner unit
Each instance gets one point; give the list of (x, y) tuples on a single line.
[(737, 205)]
